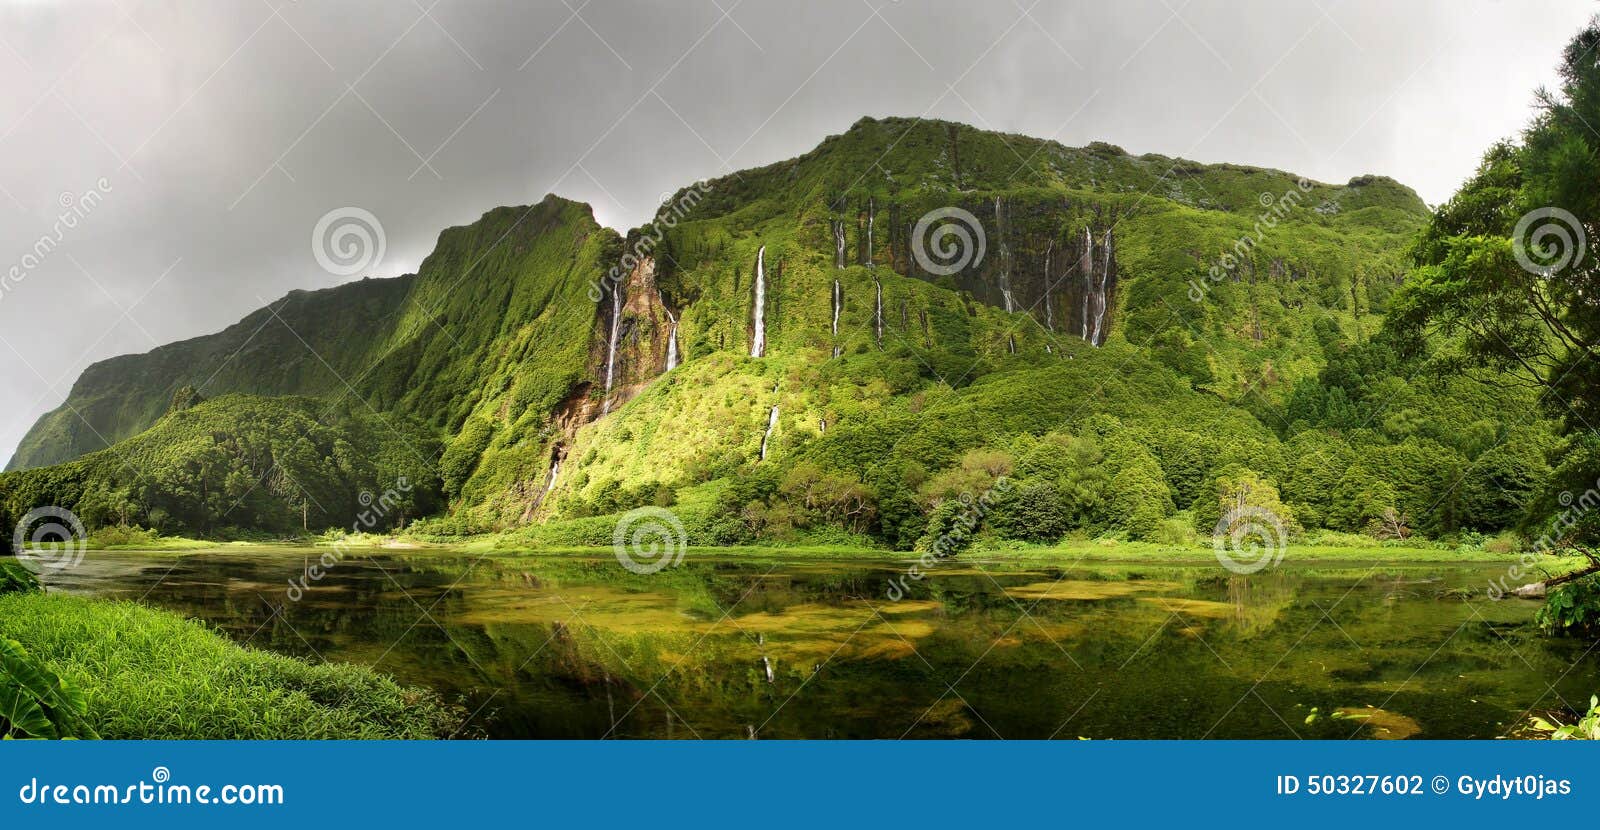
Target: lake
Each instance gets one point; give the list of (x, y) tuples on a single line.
[(575, 646)]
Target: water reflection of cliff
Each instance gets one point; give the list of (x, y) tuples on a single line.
[(580, 647)]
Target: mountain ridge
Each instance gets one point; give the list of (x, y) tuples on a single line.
[(766, 323)]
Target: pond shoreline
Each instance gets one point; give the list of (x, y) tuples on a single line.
[(568, 644), (1059, 555)]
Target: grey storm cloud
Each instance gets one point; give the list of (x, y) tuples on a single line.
[(163, 164)]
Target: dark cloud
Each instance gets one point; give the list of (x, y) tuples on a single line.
[(225, 129)]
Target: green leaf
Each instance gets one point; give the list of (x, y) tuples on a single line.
[(21, 712)]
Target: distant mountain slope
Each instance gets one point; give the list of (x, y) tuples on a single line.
[(275, 464), (418, 344), (266, 353)]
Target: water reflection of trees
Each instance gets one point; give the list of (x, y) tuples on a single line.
[(579, 647)]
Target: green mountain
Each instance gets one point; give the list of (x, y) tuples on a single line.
[(273, 351), (1122, 338), (275, 464)]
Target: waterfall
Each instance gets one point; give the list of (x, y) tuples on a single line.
[(1011, 343), (870, 211), (1005, 260), (877, 311), (758, 342), (766, 665), (672, 337), (555, 470), (1097, 336), (772, 422), (838, 243), (838, 305), (822, 425), (1086, 265), (1049, 314), (611, 343)]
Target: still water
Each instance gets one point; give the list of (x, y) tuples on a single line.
[(575, 646)]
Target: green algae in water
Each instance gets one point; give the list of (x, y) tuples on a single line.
[(577, 647)]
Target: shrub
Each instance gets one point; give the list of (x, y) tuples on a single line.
[(1573, 608), (122, 536)]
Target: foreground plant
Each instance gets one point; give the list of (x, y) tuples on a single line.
[(143, 673), (1586, 729), (1572, 608), (36, 702)]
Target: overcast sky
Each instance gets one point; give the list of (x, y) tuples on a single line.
[(220, 132)]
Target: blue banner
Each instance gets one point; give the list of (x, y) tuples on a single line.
[(793, 784)]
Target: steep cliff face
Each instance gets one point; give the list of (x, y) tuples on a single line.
[(633, 336), (1047, 257)]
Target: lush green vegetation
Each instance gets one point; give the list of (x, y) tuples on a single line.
[(300, 345), (1251, 359), (269, 465), (1573, 608), (37, 703), (120, 670), (1586, 728), (1504, 289)]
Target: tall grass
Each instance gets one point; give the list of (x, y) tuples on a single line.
[(149, 673)]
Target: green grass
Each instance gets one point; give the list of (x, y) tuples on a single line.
[(150, 674)]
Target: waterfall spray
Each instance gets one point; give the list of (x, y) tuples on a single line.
[(772, 422), (877, 312), (672, 336), (1097, 336), (1005, 260), (758, 342), (838, 305), (1086, 265), (871, 206), (838, 243), (1049, 315), (611, 343)]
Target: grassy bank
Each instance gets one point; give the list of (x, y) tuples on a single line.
[(148, 673)]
